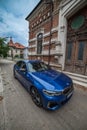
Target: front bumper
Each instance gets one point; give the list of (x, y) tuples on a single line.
[(55, 102)]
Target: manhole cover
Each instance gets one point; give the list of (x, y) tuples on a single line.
[(1, 98)]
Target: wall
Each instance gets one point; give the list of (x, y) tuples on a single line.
[(40, 22)]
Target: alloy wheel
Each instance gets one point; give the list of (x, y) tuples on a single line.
[(36, 97)]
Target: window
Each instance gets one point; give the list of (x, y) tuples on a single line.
[(37, 66), (39, 43), (16, 50), (23, 66), (69, 50), (19, 63), (81, 51), (77, 22)]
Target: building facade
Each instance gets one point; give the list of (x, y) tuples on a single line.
[(16, 49), (72, 34), (58, 34), (43, 31)]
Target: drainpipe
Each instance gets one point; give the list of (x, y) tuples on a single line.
[(51, 23)]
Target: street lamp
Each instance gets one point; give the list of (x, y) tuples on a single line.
[(50, 2)]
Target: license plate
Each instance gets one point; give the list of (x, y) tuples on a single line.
[(69, 95)]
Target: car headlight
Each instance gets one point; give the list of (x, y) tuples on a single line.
[(52, 93)]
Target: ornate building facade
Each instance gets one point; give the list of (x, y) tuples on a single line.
[(72, 34), (43, 31), (58, 34)]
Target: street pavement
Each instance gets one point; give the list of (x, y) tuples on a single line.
[(18, 112)]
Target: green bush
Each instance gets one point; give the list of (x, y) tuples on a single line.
[(16, 56)]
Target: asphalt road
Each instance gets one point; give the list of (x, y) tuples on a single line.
[(18, 112)]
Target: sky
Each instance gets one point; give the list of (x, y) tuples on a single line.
[(12, 19)]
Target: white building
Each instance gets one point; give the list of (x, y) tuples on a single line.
[(25, 53), (16, 49)]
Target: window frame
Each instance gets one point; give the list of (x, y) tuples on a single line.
[(39, 43), (80, 56), (69, 50)]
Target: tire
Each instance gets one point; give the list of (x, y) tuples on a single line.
[(36, 97)]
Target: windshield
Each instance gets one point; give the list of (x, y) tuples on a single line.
[(37, 66)]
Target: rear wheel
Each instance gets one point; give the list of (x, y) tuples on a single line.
[(36, 97)]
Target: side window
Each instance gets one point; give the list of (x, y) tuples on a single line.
[(23, 66), (19, 63)]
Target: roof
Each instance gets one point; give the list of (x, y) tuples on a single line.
[(19, 46), (11, 43), (15, 45), (33, 10)]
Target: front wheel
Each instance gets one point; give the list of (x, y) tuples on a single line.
[(36, 97)]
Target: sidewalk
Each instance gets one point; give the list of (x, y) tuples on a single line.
[(1, 104), (1, 86)]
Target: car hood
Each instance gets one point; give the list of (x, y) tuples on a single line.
[(52, 79)]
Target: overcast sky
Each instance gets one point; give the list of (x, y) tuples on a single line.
[(12, 19)]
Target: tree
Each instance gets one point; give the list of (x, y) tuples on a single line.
[(4, 48)]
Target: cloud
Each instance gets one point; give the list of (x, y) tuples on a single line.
[(12, 19), (13, 26)]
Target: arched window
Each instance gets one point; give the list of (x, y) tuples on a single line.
[(39, 43)]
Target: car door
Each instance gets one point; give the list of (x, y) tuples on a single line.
[(17, 69), (25, 76)]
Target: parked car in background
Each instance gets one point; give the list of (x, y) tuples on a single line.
[(48, 88)]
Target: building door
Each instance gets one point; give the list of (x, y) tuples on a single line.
[(76, 57), (76, 46)]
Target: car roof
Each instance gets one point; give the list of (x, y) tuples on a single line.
[(31, 61)]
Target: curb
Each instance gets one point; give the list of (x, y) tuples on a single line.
[(1, 85)]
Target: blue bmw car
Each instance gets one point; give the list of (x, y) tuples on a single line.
[(48, 88)]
